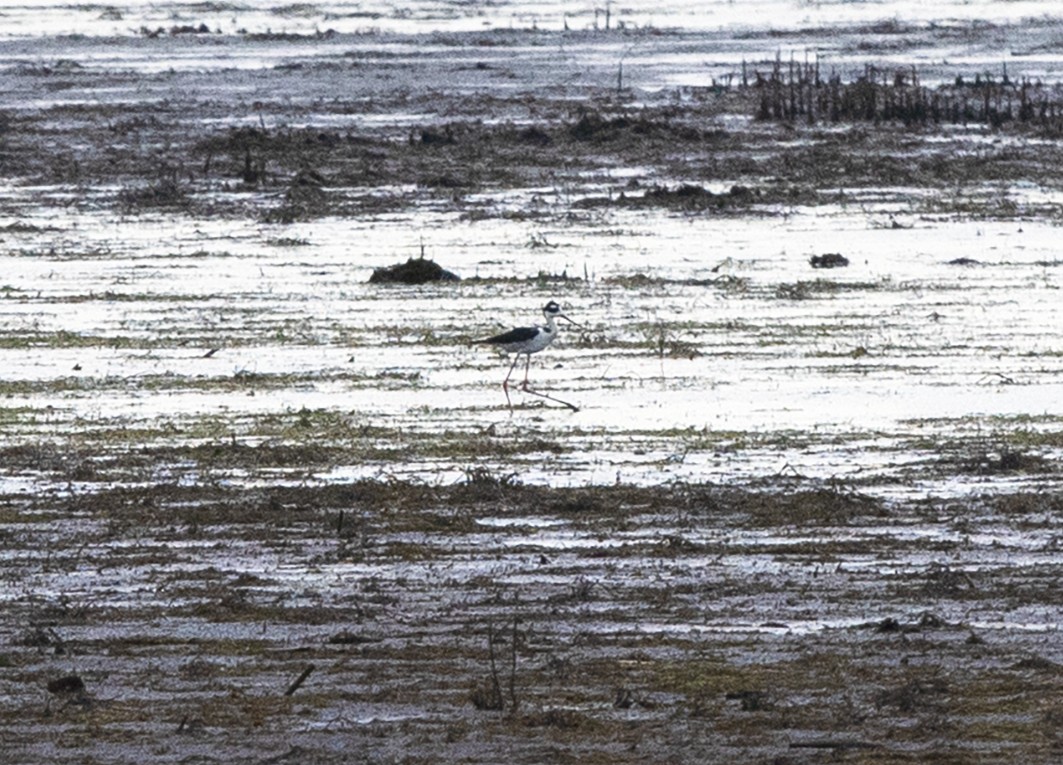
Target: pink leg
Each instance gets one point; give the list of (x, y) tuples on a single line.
[(526, 387), (505, 383), (547, 396), (527, 363)]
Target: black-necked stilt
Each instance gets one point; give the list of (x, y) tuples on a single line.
[(524, 341)]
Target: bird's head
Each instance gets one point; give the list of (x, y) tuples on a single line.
[(552, 310)]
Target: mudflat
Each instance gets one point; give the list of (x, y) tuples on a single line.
[(256, 508)]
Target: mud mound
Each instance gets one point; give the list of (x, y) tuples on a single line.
[(829, 260), (413, 271)]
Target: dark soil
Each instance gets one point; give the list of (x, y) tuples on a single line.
[(171, 147), (413, 271), (465, 623)]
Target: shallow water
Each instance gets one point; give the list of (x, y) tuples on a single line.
[(34, 17), (860, 365)]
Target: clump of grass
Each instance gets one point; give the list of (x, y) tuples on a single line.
[(166, 191), (490, 694), (819, 506), (664, 342), (1005, 460), (481, 477), (807, 289), (987, 459), (288, 241)]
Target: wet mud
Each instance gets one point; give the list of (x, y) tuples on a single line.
[(455, 623), (255, 508)]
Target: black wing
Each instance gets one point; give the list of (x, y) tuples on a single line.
[(517, 335)]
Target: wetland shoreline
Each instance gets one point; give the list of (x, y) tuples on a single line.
[(255, 509)]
